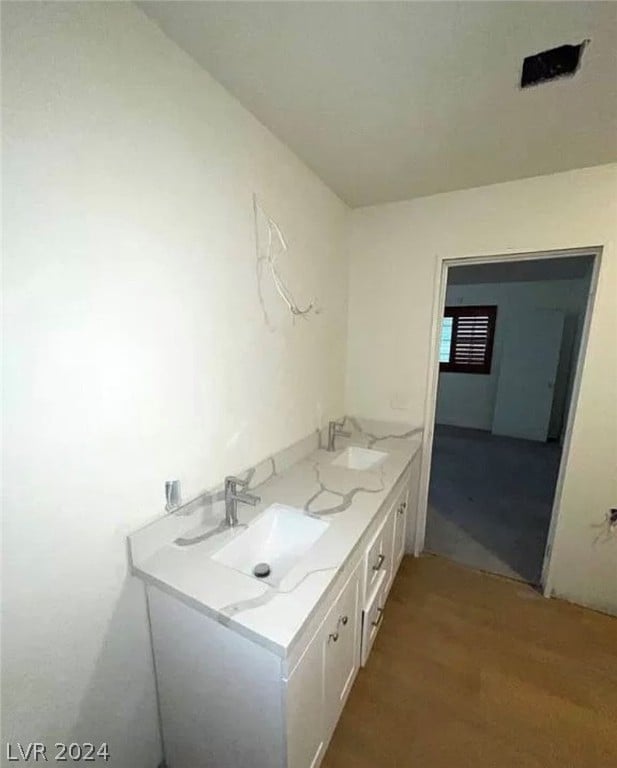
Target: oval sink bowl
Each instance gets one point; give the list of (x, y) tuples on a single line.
[(358, 458), (278, 538)]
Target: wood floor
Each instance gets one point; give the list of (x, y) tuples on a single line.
[(472, 670)]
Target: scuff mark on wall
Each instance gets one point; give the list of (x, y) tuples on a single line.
[(607, 528), (267, 256)]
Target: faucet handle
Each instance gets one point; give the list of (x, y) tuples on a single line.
[(249, 498)]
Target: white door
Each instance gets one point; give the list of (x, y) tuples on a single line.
[(527, 373)]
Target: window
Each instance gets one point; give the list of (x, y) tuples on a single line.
[(467, 339)]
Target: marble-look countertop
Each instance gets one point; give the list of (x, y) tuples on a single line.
[(274, 616)]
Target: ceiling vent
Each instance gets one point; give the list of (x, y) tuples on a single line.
[(549, 65)]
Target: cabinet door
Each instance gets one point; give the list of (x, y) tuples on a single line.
[(305, 711), (400, 524), (341, 650), (387, 547), (413, 486)]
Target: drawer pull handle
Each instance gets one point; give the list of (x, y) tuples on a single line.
[(333, 636), (401, 509), (377, 621), (379, 563), (344, 620)]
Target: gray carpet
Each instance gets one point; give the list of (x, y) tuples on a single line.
[(490, 501)]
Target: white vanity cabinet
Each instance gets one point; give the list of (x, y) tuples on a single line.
[(230, 701)]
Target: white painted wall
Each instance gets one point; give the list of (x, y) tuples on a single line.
[(135, 345), (468, 400), (394, 250)]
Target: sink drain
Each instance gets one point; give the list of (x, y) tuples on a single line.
[(261, 570)]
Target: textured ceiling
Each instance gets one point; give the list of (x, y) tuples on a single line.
[(392, 100)]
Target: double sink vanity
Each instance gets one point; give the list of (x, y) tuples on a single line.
[(259, 628)]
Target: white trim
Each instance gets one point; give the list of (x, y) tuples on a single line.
[(545, 579), (430, 404), (442, 266)]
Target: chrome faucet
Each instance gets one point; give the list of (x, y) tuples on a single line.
[(233, 496), (334, 429)]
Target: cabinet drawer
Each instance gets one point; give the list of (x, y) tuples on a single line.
[(378, 557), (372, 618), (373, 564)]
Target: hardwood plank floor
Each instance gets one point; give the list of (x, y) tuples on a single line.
[(473, 670)]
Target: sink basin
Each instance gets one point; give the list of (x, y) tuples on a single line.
[(359, 458), (278, 538)]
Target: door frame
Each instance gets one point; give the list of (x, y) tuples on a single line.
[(442, 266)]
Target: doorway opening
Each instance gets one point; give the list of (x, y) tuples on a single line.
[(509, 345)]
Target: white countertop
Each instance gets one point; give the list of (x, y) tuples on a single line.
[(274, 617)]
